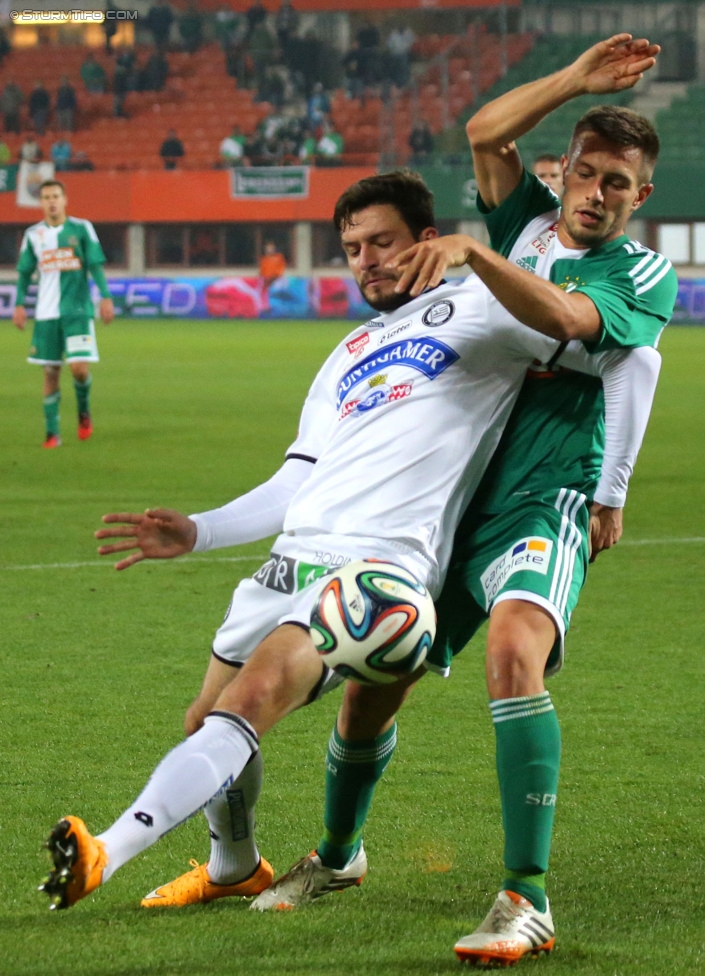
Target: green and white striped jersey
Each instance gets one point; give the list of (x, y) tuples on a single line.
[(555, 436), (63, 257)]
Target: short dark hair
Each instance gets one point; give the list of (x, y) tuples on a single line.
[(547, 158), (46, 183), (622, 127), (402, 189)]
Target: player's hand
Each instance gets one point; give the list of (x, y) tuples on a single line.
[(19, 317), (158, 533), (605, 528), (107, 310), (423, 265), (615, 64)]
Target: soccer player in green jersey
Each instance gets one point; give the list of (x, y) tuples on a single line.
[(522, 551), (64, 250)]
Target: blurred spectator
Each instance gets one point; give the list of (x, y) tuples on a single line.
[(318, 108), (272, 264), (60, 154), (232, 148), (368, 35), (352, 68), (5, 154), (273, 87), (548, 168), (39, 105), (286, 24), (155, 72), (93, 75), (226, 27), (262, 46), (126, 60), (237, 62), (159, 21), (329, 147), (110, 25), (204, 247), (30, 151), (421, 143), (191, 28), (307, 146), (10, 102), (80, 163), (66, 104), (121, 86), (306, 56), (255, 16), (5, 46), (399, 45), (172, 150)]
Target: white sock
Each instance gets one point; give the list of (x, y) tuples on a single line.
[(183, 782), (231, 819)]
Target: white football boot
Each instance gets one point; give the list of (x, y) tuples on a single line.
[(512, 929), (307, 880)]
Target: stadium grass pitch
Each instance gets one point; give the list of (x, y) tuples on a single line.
[(98, 668)]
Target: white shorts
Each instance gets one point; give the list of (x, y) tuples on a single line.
[(285, 589)]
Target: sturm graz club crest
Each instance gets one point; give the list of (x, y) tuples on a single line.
[(439, 313)]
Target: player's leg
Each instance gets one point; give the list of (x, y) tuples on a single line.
[(360, 748), (278, 678), (46, 350), (529, 565), (81, 350)]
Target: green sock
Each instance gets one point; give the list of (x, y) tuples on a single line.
[(51, 412), (528, 762), (83, 394), (353, 769)]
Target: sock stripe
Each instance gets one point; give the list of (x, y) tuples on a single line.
[(506, 709), (342, 751), (242, 724)]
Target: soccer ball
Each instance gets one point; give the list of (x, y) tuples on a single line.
[(373, 622)]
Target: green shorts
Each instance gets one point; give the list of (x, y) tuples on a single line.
[(70, 337), (536, 551)]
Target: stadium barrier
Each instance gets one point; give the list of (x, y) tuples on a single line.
[(288, 297), (222, 297)]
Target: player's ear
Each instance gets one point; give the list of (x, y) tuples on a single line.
[(429, 234), (642, 196)]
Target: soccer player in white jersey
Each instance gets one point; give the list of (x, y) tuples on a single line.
[(395, 434), (521, 556), (64, 250)]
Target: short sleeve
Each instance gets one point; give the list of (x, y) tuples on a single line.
[(635, 303), (529, 199), (319, 415), (94, 251), (27, 261)]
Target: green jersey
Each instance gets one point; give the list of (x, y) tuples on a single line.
[(64, 256), (555, 436)]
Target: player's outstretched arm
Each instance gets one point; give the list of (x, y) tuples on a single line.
[(158, 533), (609, 66)]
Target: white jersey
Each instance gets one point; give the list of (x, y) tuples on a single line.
[(404, 416)]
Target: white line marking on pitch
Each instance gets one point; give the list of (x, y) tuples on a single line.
[(244, 559), (108, 563)]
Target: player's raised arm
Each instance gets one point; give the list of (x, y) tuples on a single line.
[(610, 66)]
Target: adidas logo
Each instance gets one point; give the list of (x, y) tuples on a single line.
[(528, 264)]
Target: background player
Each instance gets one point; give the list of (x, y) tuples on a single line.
[(549, 168), (607, 290), (64, 250)]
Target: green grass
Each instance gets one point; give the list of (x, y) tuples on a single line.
[(98, 667)]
